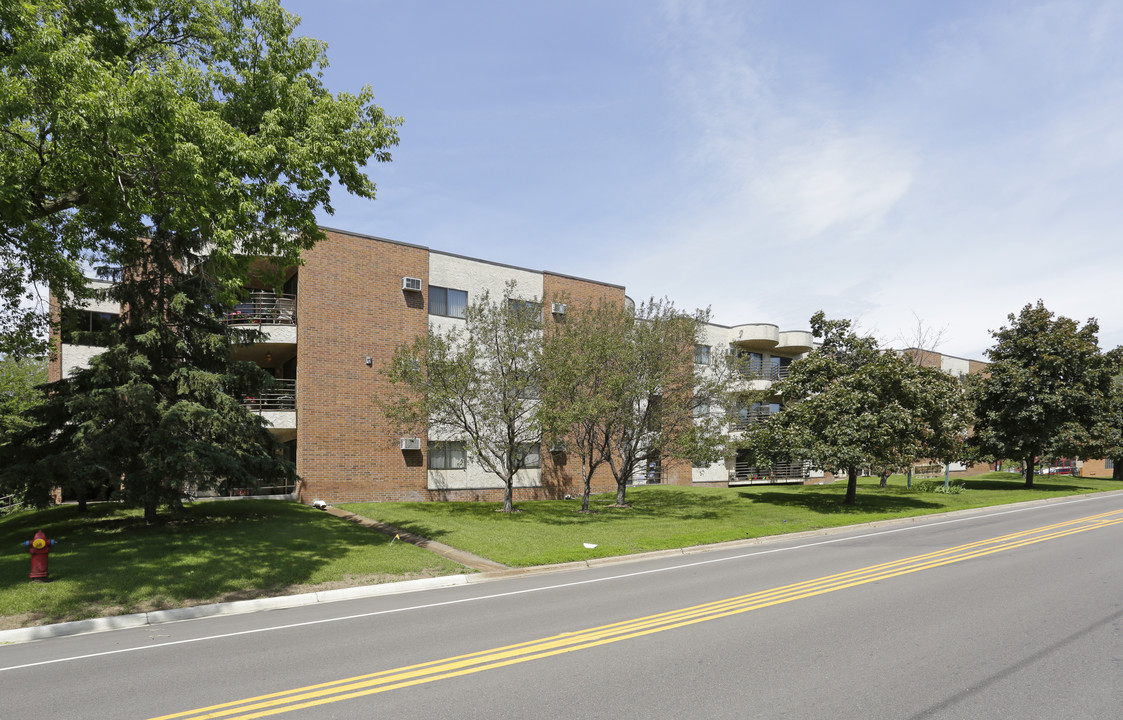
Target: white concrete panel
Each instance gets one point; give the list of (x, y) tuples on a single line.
[(955, 366), (280, 419), (475, 477), (77, 356), (477, 276)]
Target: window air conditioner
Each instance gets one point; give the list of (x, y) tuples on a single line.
[(411, 443), (558, 308), (411, 284)]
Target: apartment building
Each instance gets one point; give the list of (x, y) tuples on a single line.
[(331, 326), (764, 356)]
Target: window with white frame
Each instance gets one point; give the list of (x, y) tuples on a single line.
[(447, 302), (446, 455), (702, 354)]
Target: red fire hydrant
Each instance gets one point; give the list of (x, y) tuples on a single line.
[(40, 548)]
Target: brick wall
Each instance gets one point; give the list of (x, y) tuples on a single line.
[(561, 472), (350, 305)]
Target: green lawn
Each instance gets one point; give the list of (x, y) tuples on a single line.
[(108, 562), (664, 517)]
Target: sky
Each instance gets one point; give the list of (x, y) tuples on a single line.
[(909, 165)]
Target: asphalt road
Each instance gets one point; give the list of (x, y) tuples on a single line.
[(1014, 612)]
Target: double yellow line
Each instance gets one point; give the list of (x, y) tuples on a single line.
[(312, 695)]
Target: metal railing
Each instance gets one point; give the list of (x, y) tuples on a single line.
[(280, 397), (788, 472), (263, 307), (752, 417), (756, 372)]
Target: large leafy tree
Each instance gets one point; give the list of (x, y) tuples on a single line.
[(479, 382), (20, 379), (663, 406), (584, 371), (1046, 392), (850, 405), (207, 117), (169, 141)]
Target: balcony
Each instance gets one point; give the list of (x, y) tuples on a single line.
[(773, 372), (263, 307), (750, 417), (792, 472), (279, 398)]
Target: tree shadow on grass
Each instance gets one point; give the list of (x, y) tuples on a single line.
[(110, 558), (831, 504), (1020, 485)]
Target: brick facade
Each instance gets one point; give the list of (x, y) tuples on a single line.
[(351, 306)]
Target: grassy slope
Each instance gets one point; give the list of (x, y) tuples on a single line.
[(109, 562), (670, 517)]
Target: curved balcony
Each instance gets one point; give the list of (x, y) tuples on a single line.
[(756, 336)]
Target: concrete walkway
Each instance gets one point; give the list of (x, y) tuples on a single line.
[(467, 559)]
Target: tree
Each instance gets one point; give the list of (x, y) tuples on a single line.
[(1045, 393), (849, 405), (584, 369), (158, 414), (662, 404), (480, 382), (206, 116), (19, 392), (168, 141)]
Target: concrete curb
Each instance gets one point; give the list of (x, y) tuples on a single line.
[(158, 617)]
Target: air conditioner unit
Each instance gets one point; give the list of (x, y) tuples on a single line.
[(411, 284), (558, 308), (411, 443)]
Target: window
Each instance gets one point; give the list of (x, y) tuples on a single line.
[(531, 454), (78, 326), (446, 455), (701, 410), (702, 354), (447, 302), (1109, 464), (525, 309), (778, 367)]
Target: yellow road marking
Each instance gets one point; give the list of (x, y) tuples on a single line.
[(334, 691)]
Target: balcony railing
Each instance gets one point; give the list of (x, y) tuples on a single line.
[(754, 372), (263, 307), (752, 417), (279, 398), (790, 472)]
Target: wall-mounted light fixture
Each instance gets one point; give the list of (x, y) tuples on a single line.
[(369, 361), (268, 357)]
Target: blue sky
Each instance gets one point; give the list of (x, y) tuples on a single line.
[(889, 162)]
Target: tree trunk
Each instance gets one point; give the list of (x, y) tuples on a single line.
[(1117, 468), (1029, 471), (884, 478), (586, 475), (150, 510), (620, 487), (851, 485), (509, 495)]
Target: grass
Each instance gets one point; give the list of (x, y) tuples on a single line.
[(663, 517), (109, 562)]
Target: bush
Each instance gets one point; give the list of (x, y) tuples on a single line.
[(937, 486)]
